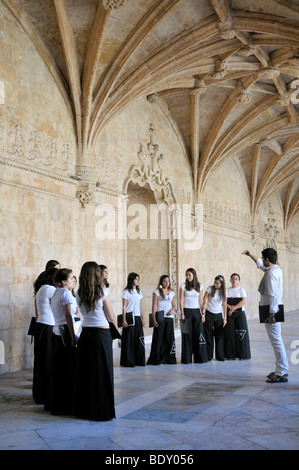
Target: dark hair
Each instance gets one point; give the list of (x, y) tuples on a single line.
[(51, 264), (61, 275), (235, 274), (45, 278), (103, 267), (164, 276), (90, 285), (271, 254), (194, 284), (222, 288), (131, 279)]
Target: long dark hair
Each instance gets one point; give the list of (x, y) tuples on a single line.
[(51, 264), (90, 285), (45, 278), (222, 288), (164, 276), (61, 275), (194, 284), (130, 280), (103, 267)]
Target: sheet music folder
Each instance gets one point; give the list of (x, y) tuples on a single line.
[(264, 313)]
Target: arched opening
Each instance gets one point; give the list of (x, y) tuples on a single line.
[(147, 240)]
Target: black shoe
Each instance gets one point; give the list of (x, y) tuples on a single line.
[(277, 378)]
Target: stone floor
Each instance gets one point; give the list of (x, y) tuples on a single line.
[(214, 406)]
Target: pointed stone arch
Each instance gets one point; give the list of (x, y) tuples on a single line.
[(150, 174)]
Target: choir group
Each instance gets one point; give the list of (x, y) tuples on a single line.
[(74, 330)]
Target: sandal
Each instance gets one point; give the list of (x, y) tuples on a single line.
[(277, 378)]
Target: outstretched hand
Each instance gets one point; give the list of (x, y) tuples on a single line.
[(246, 252)]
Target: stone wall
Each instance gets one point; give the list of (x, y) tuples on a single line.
[(42, 218)]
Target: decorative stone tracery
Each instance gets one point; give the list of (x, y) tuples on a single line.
[(150, 173)]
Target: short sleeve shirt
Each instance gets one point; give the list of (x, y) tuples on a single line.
[(133, 299), (191, 297)]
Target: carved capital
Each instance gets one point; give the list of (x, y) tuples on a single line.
[(84, 194)]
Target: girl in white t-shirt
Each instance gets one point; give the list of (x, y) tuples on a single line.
[(132, 342), (193, 340), (44, 290), (163, 341), (214, 308), (63, 351), (94, 386), (236, 335)]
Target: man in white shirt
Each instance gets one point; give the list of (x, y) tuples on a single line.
[(270, 290)]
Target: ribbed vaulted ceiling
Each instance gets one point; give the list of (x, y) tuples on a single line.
[(224, 72)]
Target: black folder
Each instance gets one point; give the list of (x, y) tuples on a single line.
[(31, 326), (185, 327), (129, 318), (114, 331), (159, 318), (264, 312)]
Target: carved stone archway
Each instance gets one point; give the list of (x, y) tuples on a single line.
[(150, 174)]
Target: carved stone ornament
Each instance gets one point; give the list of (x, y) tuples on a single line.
[(151, 169), (247, 51), (220, 70), (226, 31), (271, 230), (113, 4), (21, 144), (85, 197), (268, 73), (150, 173)]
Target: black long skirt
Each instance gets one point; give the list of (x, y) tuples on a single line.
[(62, 374), (163, 344), (94, 384), (236, 336), (41, 363), (194, 342), (132, 345)]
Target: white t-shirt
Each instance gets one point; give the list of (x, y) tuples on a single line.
[(234, 292), (62, 297), (43, 304), (191, 299), (95, 317), (133, 301), (214, 304), (164, 304)]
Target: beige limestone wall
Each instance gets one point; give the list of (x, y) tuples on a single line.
[(41, 217)]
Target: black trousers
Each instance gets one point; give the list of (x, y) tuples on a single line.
[(132, 345), (41, 363), (94, 386), (194, 342), (236, 336), (163, 344), (213, 327)]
